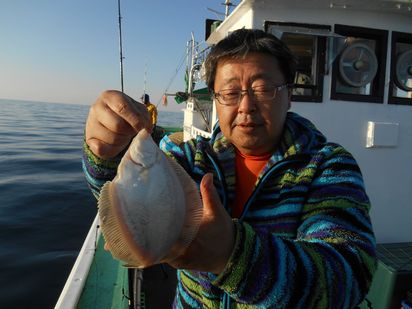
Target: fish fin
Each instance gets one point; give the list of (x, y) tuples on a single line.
[(115, 232), (193, 215)]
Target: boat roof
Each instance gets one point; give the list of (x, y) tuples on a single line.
[(395, 6), (315, 8)]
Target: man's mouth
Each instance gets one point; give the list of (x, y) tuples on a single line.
[(247, 127), (247, 124)]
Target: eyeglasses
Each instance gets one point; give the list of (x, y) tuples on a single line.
[(232, 97)]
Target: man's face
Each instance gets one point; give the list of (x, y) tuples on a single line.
[(254, 128)]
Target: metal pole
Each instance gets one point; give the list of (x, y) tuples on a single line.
[(135, 275), (120, 46), (192, 62), (228, 4)]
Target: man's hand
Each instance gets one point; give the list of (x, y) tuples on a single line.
[(213, 244), (114, 119)]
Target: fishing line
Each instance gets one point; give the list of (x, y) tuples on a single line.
[(180, 64)]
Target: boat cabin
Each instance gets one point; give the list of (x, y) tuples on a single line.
[(354, 81)]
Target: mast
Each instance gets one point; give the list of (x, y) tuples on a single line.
[(145, 78), (120, 46), (192, 64)]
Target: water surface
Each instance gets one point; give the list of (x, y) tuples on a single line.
[(46, 208)]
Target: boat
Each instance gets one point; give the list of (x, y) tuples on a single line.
[(354, 81)]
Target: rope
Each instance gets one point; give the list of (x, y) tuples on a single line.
[(179, 66)]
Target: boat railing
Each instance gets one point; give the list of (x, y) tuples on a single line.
[(196, 131), (73, 288)]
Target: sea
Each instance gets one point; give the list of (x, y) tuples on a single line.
[(46, 208)]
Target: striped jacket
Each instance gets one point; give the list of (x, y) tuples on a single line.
[(305, 238)]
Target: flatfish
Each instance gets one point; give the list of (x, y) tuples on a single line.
[(151, 211)]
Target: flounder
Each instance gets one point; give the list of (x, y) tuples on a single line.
[(152, 209)]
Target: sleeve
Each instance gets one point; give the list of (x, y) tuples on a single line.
[(174, 147), (331, 262), (154, 115), (97, 171)]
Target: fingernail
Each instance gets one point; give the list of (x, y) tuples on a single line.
[(209, 180)]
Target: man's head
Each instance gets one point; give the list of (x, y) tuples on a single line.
[(245, 41), (145, 98), (250, 73)]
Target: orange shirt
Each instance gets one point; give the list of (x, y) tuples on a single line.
[(248, 169)]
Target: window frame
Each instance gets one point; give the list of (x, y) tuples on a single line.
[(397, 37), (381, 39), (320, 59)]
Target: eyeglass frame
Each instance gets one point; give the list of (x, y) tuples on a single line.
[(249, 91)]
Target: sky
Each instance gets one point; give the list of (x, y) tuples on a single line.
[(67, 51)]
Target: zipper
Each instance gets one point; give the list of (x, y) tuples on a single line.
[(226, 300), (273, 169), (221, 179)]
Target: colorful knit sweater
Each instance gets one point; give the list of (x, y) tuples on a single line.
[(305, 238)]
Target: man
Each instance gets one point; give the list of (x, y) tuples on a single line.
[(151, 109), (285, 221)]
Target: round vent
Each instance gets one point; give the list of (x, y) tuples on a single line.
[(358, 65), (404, 71)]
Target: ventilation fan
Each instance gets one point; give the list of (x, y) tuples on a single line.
[(404, 71), (358, 65)]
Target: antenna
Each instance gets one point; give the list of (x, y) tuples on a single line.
[(120, 45), (217, 13), (227, 4)]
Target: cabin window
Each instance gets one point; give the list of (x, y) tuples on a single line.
[(359, 67), (400, 87), (307, 42)]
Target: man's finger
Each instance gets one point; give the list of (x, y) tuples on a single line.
[(210, 197), (110, 137), (109, 119), (134, 113), (103, 150)]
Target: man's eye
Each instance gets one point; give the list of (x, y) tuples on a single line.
[(262, 88), (262, 91), (230, 94)]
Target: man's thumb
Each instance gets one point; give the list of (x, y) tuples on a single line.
[(210, 197)]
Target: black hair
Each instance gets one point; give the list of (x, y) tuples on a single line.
[(244, 41)]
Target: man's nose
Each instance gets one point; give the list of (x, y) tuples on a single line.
[(246, 103)]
